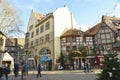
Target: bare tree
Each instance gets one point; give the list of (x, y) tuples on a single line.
[(10, 21)]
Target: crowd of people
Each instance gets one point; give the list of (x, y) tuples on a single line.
[(23, 67), (4, 71), (86, 66)]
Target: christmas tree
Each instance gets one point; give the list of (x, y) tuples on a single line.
[(111, 70)]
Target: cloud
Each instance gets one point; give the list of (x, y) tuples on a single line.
[(117, 6)]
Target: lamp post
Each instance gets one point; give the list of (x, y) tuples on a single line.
[(26, 55)]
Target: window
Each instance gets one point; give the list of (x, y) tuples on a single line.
[(64, 40), (1, 42), (68, 39), (41, 28), (41, 40), (108, 36), (68, 48), (103, 36), (37, 31), (73, 39), (47, 25), (47, 37), (32, 43), (32, 34), (103, 26), (31, 27), (103, 41), (36, 42), (74, 47)]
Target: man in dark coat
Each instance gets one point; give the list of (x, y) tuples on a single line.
[(24, 71), (39, 71), (16, 69), (7, 71)]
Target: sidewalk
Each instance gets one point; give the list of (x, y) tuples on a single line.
[(59, 75), (94, 71)]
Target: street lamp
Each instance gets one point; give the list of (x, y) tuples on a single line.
[(26, 55)]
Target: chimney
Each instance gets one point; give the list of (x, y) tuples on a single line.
[(64, 5)]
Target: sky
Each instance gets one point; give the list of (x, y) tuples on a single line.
[(86, 12)]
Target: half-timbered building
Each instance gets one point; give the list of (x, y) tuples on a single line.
[(71, 40), (104, 35)]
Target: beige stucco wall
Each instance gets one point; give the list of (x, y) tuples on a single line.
[(62, 22), (2, 47)]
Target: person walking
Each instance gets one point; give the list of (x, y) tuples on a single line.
[(16, 69), (7, 71), (24, 71), (75, 65), (39, 70)]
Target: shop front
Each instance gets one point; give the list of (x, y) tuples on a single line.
[(100, 60)]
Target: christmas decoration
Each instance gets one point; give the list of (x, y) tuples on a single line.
[(111, 70)]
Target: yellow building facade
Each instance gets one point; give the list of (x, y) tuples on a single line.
[(43, 34)]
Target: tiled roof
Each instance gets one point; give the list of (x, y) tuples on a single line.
[(111, 22), (2, 33), (92, 31), (38, 15), (71, 32), (44, 18)]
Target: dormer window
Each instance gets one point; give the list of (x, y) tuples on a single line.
[(116, 23)]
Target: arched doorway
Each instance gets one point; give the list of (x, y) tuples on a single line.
[(45, 59)]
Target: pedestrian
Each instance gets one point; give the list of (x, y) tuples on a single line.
[(39, 70), (24, 71), (7, 71), (16, 69), (2, 73), (87, 64), (75, 65), (85, 68), (95, 64)]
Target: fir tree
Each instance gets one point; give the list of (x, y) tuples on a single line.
[(111, 70)]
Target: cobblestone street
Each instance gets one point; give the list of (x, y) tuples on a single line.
[(58, 75)]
